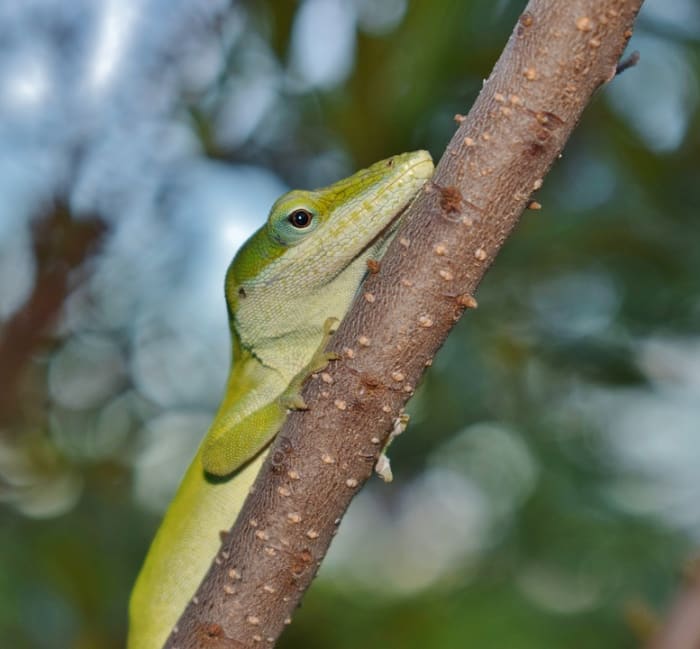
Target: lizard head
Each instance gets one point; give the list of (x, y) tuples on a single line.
[(305, 263), (312, 237)]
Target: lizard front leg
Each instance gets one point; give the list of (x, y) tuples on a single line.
[(291, 398), (230, 448)]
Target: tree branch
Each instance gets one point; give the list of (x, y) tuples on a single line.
[(557, 56), (61, 245)]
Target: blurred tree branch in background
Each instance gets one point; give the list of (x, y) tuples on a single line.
[(557, 57), (61, 245), (681, 627)]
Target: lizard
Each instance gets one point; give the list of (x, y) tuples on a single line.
[(286, 289)]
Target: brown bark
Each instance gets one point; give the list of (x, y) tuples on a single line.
[(557, 56)]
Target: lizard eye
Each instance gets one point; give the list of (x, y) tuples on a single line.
[(300, 219)]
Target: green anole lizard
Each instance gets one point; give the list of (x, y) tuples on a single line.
[(286, 287)]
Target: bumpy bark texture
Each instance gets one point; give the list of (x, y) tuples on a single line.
[(557, 56)]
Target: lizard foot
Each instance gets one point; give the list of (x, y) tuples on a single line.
[(291, 399)]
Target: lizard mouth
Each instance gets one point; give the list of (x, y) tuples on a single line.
[(385, 233)]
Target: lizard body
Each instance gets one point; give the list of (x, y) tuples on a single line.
[(295, 275)]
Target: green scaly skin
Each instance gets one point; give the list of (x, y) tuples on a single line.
[(283, 289)]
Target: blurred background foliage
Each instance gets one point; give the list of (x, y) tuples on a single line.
[(548, 491)]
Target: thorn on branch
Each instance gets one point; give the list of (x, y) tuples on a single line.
[(627, 63)]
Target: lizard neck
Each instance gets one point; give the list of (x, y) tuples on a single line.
[(283, 328)]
